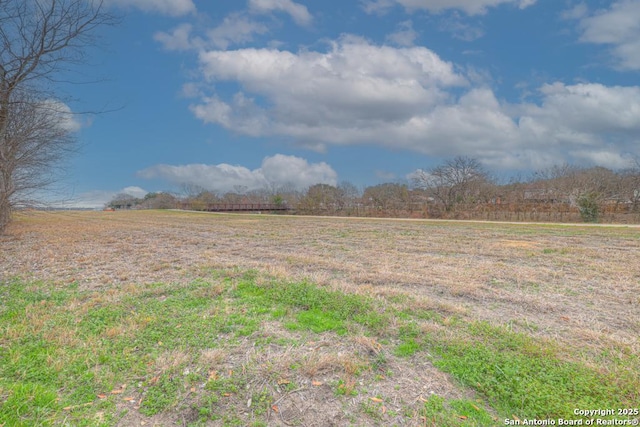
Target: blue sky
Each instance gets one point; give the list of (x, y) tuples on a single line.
[(245, 94)]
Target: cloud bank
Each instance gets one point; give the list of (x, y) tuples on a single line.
[(275, 171), (409, 98)]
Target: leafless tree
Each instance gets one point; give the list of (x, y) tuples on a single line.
[(388, 198), (459, 180), (321, 198), (39, 39), (631, 185), (161, 200), (350, 194), (123, 201)]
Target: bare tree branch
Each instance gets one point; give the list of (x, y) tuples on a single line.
[(38, 40), (458, 180)]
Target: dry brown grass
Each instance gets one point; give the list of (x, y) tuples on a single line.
[(579, 286)]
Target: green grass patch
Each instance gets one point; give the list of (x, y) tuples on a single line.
[(27, 404), (64, 351), (62, 348), (318, 322), (455, 413), (161, 396), (407, 348), (316, 309), (524, 376), (411, 339)]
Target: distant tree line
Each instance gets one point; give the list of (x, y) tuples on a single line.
[(459, 188)]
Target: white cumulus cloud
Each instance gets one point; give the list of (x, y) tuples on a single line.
[(470, 7), (62, 114), (179, 39), (593, 107), (405, 35), (587, 121), (237, 28), (165, 7), (331, 96), (299, 13), (617, 27), (358, 93), (275, 171)]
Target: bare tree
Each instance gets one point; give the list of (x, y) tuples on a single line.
[(631, 182), (161, 200), (387, 198), (459, 180), (321, 199), (123, 201), (350, 195), (39, 39)]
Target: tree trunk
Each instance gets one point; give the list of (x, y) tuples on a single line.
[(5, 175), (5, 213)]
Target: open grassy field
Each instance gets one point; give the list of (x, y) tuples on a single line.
[(195, 319)]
